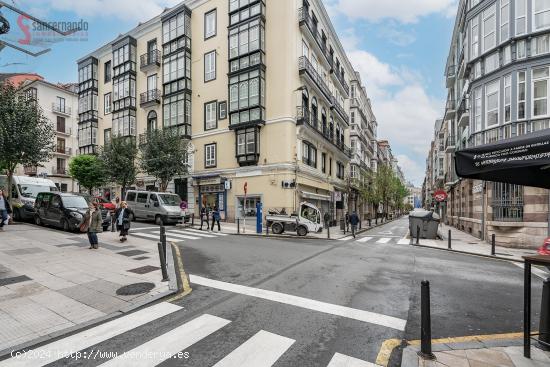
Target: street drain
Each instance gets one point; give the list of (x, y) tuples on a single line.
[(133, 289)]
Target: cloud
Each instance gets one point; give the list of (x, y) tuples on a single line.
[(396, 36), (413, 171), (404, 11)]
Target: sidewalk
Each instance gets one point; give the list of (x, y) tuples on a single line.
[(489, 353), (464, 242), (51, 283)]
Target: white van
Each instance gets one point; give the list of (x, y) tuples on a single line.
[(162, 207), (24, 190)]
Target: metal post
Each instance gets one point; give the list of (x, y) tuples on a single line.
[(328, 231), (192, 219), (370, 222), (425, 322), (493, 244), (544, 326), (417, 235), (162, 256), (527, 310), (238, 226), (449, 240), (266, 229), (163, 240), (113, 221)]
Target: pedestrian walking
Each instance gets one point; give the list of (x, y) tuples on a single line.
[(347, 221), (5, 209), (123, 223), (354, 221), (216, 219), (204, 216), (94, 224)]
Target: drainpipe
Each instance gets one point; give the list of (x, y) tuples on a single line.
[(483, 205)]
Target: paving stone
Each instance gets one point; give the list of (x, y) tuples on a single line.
[(144, 269), (141, 258), (489, 357), (70, 309), (24, 251), (100, 301), (13, 280), (466, 345), (32, 315), (451, 360), (132, 253)]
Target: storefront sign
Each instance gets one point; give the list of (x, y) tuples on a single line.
[(227, 185), (210, 181), (477, 188), (212, 188)]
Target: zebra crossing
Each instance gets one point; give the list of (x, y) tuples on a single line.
[(380, 239), (263, 349), (176, 235)]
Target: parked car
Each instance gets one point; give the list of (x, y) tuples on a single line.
[(23, 193), (162, 207), (307, 220), (545, 248), (105, 203), (64, 210)]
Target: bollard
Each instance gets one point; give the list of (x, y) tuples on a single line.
[(266, 229), (238, 226), (544, 327), (328, 232), (493, 244), (162, 256), (417, 235), (449, 240), (163, 240), (113, 221), (370, 222), (425, 322), (192, 219)]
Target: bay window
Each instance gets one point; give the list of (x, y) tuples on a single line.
[(124, 123), (177, 112), (540, 45), (540, 78), (504, 20), (521, 95), (520, 50), (248, 145), (492, 62), (507, 98), (247, 97), (541, 14), (521, 17), (477, 109), (492, 102), (475, 38), (489, 28)]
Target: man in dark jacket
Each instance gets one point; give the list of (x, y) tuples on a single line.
[(5, 208), (204, 217), (354, 221)]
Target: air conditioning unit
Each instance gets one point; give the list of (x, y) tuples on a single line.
[(287, 184)]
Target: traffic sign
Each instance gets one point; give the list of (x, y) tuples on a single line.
[(440, 195)]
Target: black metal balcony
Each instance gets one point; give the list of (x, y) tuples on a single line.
[(336, 106), (463, 112), (342, 82), (304, 117), (306, 21), (304, 66), (149, 98), (149, 59)]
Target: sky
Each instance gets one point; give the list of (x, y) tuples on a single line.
[(400, 48)]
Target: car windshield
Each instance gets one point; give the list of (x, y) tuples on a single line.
[(170, 200), (75, 202), (31, 191)]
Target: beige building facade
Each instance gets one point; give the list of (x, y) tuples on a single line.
[(260, 89)]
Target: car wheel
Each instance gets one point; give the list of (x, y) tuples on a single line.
[(65, 225), (302, 231), (277, 228), (38, 221), (17, 215), (159, 221)]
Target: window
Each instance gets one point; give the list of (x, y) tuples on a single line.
[(305, 49), (246, 97), (60, 103), (541, 14), (61, 125), (521, 95), (540, 91), (489, 28), (174, 27), (248, 145), (340, 170), (142, 197), (210, 66), (507, 98), (210, 24), (210, 113), (504, 20), (124, 123), (330, 167), (309, 154), (475, 38), (507, 55), (222, 110), (477, 109), (151, 82), (210, 155), (521, 17), (107, 103), (246, 39), (474, 3), (107, 71), (491, 62), (177, 112), (31, 94), (477, 70), (520, 49), (106, 136), (353, 117), (540, 45), (324, 162), (492, 103), (507, 202)]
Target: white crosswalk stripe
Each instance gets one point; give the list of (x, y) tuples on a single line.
[(155, 237), (345, 238), (210, 233), (341, 360), (262, 350), (53, 351), (189, 233), (163, 347), (384, 240), (364, 239), (177, 235)]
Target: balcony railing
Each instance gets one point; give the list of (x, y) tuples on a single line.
[(64, 110), (463, 109), (149, 59), (305, 66), (59, 171), (150, 97), (64, 131), (63, 150), (343, 83), (340, 110), (30, 170), (305, 19)]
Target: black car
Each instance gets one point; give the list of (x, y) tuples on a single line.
[(64, 210)]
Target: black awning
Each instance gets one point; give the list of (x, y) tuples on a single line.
[(523, 160)]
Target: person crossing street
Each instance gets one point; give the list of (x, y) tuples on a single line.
[(354, 221)]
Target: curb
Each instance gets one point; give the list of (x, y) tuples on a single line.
[(498, 258), (182, 289)]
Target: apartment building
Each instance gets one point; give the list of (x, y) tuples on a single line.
[(59, 104), (498, 73), (437, 167), (260, 90)]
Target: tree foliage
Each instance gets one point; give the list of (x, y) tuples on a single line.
[(383, 187), (88, 170), (26, 135), (119, 158), (163, 156)]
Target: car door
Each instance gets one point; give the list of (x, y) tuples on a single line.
[(43, 208), (153, 206), (55, 211), (141, 202)]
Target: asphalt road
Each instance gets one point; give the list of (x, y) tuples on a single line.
[(300, 321)]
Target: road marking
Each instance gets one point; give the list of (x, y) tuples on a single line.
[(345, 238), (384, 354), (386, 232), (329, 308), (210, 233), (262, 350), (53, 351), (341, 360), (384, 240), (364, 239), (179, 236), (192, 233), (146, 235), (169, 344), (536, 271)]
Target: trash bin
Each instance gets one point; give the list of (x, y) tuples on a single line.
[(342, 225), (427, 221)]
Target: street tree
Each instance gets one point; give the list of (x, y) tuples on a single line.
[(88, 170), (368, 190), (384, 182), (399, 193), (26, 135), (163, 156), (119, 157)]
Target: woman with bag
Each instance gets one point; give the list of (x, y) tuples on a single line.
[(5, 209), (92, 224), (123, 215)]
